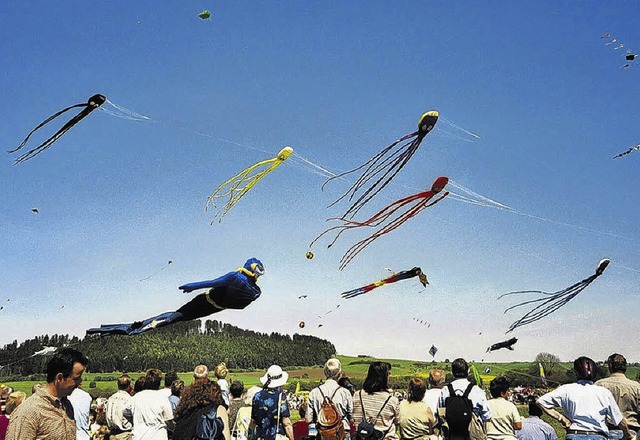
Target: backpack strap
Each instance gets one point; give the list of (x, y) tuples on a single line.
[(467, 391), (451, 390), (381, 408)]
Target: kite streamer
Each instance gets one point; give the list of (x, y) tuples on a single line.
[(404, 275)]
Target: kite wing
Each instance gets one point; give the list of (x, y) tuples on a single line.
[(224, 280), (236, 187), (93, 103), (404, 275)]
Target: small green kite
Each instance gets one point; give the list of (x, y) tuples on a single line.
[(205, 15)]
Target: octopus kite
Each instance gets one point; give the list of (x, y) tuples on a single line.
[(236, 187), (553, 300), (384, 166), (234, 290), (404, 275), (93, 103), (417, 203)]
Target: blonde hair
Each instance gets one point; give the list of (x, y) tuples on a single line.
[(221, 370), (14, 400)]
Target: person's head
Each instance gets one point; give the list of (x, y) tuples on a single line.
[(617, 363), (236, 389), (253, 268), (140, 384), (333, 369), (436, 378), (200, 393), (345, 382), (92, 416), (14, 400), (274, 377), (124, 382), (534, 410), (169, 378), (417, 389), (176, 387), (302, 410), (377, 377), (499, 387), (152, 379), (64, 371), (221, 370), (585, 368), (459, 368), (201, 372)]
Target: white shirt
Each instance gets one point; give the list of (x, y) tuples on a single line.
[(81, 402), (113, 411), (224, 388), (150, 411), (585, 404), (431, 398), (477, 396)]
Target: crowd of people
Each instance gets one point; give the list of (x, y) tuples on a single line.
[(426, 410)]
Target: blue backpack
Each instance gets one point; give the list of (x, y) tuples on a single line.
[(210, 426)]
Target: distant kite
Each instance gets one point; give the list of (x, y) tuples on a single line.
[(45, 351), (553, 300), (504, 344), (433, 350), (487, 370), (302, 296), (417, 203), (157, 272), (309, 255), (35, 210), (236, 187), (630, 150), (93, 103), (404, 275), (205, 15), (384, 166), (301, 324)]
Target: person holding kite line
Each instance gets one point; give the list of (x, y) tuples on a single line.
[(234, 290)]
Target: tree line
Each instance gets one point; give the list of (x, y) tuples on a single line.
[(178, 347)]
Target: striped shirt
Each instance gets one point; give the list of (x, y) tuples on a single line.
[(43, 416), (389, 417)]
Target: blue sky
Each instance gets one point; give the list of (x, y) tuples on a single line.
[(337, 81)]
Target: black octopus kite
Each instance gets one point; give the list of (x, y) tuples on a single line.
[(553, 300), (93, 103)]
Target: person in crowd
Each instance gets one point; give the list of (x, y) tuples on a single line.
[(626, 393), (534, 428), (269, 410), (432, 395), (460, 371), (376, 403), (119, 426), (221, 372), (201, 397), (236, 402), (169, 378), (149, 410), (139, 385), (585, 405), (176, 391), (81, 402), (14, 399), (301, 427), (48, 413), (340, 396), (415, 419), (201, 372), (505, 418)]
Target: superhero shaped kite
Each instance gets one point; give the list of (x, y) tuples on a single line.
[(417, 202), (384, 166), (504, 344), (236, 187), (553, 300), (235, 290), (404, 275), (94, 102)]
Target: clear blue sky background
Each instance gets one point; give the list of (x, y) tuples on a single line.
[(337, 81)]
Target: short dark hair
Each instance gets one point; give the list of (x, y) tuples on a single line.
[(176, 387), (585, 368), (140, 384), (124, 382), (617, 363), (377, 377), (534, 410), (62, 362), (499, 386), (153, 379), (169, 378), (459, 368), (417, 389), (236, 389)]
